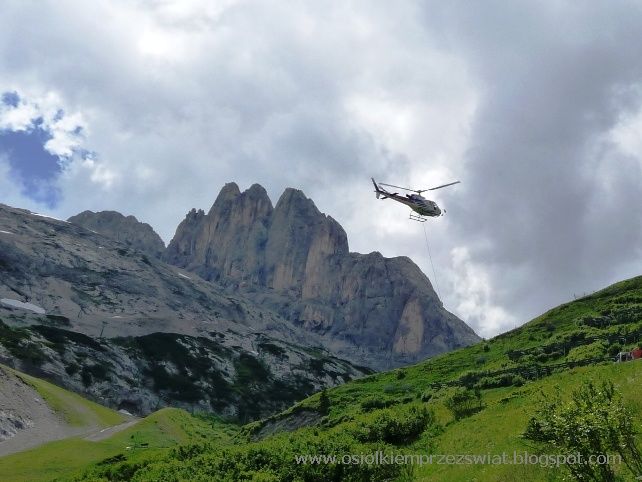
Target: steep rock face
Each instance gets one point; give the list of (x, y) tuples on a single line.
[(124, 229), (131, 331), (303, 248), (295, 260), (227, 242)]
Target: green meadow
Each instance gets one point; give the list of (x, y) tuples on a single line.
[(500, 384)]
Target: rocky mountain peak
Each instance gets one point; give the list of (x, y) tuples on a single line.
[(229, 191), (251, 202), (295, 211), (124, 229), (377, 311), (227, 194), (194, 214), (228, 240), (294, 198), (258, 191)]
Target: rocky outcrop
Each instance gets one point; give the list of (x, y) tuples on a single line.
[(295, 260), (141, 374), (124, 229), (131, 331)]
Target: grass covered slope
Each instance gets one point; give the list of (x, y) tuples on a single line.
[(33, 412), (477, 400), (583, 332), (74, 409), (72, 432), (405, 429), (152, 437)]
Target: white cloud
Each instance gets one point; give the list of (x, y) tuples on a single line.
[(178, 97), (18, 118), (66, 134), (627, 134), (46, 109), (472, 291)]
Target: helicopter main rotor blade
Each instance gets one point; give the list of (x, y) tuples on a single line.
[(399, 187), (443, 185)]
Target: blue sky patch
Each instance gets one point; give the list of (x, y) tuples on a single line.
[(31, 163), (11, 99)]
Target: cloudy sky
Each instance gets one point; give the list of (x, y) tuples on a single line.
[(149, 107)]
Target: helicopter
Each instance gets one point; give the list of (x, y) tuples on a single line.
[(421, 206)]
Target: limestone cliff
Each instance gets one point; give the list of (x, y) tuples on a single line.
[(229, 240), (380, 312)]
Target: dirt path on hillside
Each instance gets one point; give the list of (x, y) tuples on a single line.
[(26, 420), (109, 431)]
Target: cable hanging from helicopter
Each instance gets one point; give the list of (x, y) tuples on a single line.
[(420, 206)]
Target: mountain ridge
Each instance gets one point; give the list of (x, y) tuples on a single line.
[(125, 229), (123, 327), (296, 260)]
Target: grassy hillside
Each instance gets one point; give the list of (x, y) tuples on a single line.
[(495, 429), (406, 411), (409, 411), (588, 331), (151, 437), (74, 409)]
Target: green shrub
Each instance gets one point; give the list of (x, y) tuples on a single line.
[(58, 320), (594, 422), (398, 427), (377, 403), (324, 403), (503, 380), (250, 370), (72, 369), (271, 460), (469, 378), (18, 342), (464, 403), (273, 349), (397, 388), (584, 352), (614, 349)]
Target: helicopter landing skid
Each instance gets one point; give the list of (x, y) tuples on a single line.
[(417, 217)]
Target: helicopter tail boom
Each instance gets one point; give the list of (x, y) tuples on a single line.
[(378, 191)]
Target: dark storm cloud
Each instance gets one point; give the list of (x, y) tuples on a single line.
[(551, 206)]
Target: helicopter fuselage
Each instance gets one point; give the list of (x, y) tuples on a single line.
[(416, 202)]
